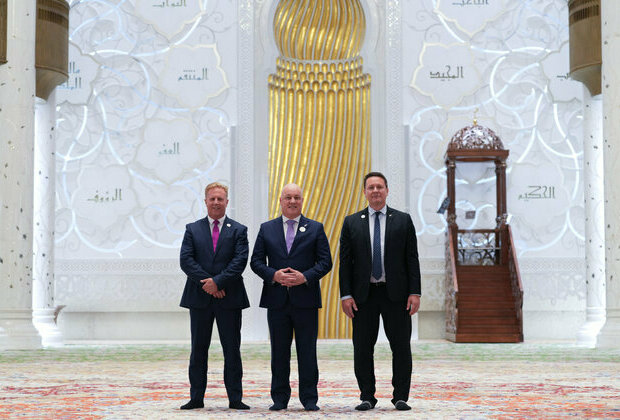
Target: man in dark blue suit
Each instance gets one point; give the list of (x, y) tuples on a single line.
[(213, 255), (380, 277), (291, 255)]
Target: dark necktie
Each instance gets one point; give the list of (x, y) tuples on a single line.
[(376, 249), (216, 233)]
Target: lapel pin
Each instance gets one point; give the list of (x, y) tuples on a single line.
[(228, 224), (363, 216), (302, 229)]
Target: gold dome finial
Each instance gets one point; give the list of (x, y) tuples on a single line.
[(475, 117), (319, 29)]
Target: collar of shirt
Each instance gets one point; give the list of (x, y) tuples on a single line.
[(371, 211), (221, 220), (285, 219)]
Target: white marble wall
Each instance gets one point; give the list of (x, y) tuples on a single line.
[(145, 121), (610, 36), (17, 82), (124, 104), (144, 124), (506, 63)]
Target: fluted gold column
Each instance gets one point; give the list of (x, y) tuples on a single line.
[(319, 123)]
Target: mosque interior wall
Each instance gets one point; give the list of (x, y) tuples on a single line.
[(154, 109)]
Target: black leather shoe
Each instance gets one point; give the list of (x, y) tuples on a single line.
[(311, 407), (401, 405), (238, 405), (277, 407), (365, 406), (192, 404)]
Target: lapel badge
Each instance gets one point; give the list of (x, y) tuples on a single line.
[(228, 224), (302, 229), (363, 216)]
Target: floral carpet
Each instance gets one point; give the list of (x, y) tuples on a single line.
[(465, 381)]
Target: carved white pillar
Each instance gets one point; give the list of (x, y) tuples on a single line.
[(17, 92), (593, 179), (610, 84), (43, 230)]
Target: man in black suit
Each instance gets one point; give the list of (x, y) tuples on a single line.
[(380, 276), (291, 255), (213, 255)]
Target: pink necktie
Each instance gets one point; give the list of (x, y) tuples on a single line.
[(216, 233)]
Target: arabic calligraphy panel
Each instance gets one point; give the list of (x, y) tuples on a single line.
[(535, 189), (193, 75), (82, 71), (447, 73), (471, 16), (169, 149), (169, 17), (103, 197)]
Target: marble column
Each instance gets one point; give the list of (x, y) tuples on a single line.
[(610, 84), (43, 230), (593, 179), (17, 93)]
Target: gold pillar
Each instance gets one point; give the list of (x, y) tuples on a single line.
[(584, 23), (52, 45), (319, 123), (3, 25)]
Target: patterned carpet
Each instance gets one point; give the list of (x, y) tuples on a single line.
[(466, 381)]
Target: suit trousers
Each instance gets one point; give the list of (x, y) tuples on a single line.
[(304, 323), (397, 326), (229, 329)]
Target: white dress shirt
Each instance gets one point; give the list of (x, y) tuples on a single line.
[(220, 224)]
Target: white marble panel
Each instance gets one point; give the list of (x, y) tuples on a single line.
[(144, 123), (97, 289), (506, 64), (95, 293)]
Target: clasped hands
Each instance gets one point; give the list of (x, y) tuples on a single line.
[(349, 306), (209, 286), (289, 277)]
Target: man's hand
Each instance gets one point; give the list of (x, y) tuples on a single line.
[(219, 294), (294, 278), (348, 306), (209, 286), (289, 277), (413, 304), (280, 275)]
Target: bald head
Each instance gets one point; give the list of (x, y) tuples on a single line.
[(291, 201)]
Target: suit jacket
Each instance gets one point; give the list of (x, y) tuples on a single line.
[(309, 254), (400, 256), (224, 266)]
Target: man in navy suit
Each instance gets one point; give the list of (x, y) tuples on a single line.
[(213, 255), (380, 276), (291, 255)]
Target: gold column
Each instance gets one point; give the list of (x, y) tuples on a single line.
[(584, 23), (52, 45), (3, 25), (319, 123)]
